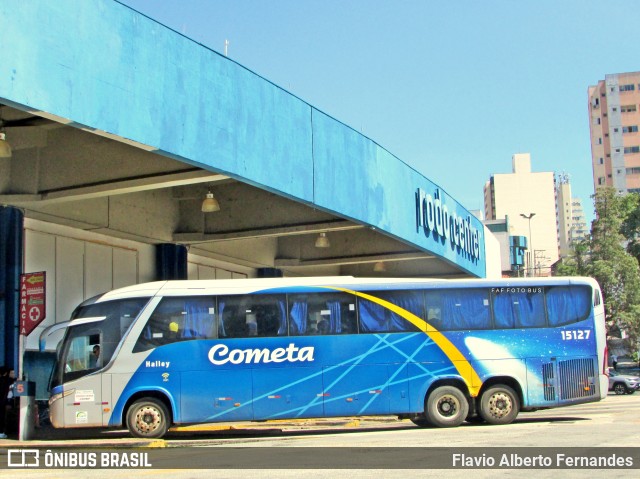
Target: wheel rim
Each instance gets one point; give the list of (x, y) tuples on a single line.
[(619, 389), (500, 404), (148, 419), (448, 406)]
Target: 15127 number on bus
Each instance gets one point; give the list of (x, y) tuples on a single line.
[(575, 334)]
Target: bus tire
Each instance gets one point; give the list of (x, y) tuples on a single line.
[(499, 405), (446, 406), (148, 418)]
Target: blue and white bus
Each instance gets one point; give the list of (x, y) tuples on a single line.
[(437, 352)]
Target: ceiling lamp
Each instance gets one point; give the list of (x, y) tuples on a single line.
[(322, 241), (5, 148), (210, 204), (379, 267)]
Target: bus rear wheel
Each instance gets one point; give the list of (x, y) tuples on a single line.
[(446, 406), (148, 418), (499, 405)]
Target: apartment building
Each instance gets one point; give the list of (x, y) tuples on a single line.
[(528, 200), (572, 223), (615, 140)]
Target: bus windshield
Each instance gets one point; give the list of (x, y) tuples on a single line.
[(90, 345)]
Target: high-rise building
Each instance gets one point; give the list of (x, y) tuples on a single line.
[(572, 223), (615, 140), (529, 201)]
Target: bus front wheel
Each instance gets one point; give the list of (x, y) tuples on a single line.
[(446, 406), (148, 418), (499, 405)]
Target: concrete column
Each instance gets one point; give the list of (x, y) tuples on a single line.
[(171, 261), (11, 267)]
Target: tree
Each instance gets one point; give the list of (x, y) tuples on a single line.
[(603, 256), (631, 228)]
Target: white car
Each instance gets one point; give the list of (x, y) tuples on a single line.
[(622, 383)]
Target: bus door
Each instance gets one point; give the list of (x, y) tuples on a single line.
[(355, 390), (83, 405), (287, 392)]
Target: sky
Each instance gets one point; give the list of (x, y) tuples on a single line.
[(453, 89)]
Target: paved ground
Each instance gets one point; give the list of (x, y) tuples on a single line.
[(612, 427)]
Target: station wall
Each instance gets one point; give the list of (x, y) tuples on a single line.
[(81, 264)]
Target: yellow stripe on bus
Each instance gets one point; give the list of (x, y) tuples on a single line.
[(461, 363)]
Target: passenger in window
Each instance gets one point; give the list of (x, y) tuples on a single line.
[(323, 327), (95, 357), (174, 330), (268, 321)]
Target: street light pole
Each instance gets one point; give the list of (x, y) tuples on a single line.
[(531, 250)]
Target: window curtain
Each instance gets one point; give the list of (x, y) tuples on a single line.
[(373, 317), (411, 302), (519, 310), (282, 318), (568, 304), (198, 322), (298, 315), (221, 327), (466, 309), (335, 318)]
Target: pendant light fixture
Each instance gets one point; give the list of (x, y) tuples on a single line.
[(322, 241), (210, 204)]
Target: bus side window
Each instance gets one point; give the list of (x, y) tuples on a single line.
[(178, 319), (433, 306), (518, 309), (376, 317), (322, 314), (596, 298), (568, 304), (252, 315), (460, 309)]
